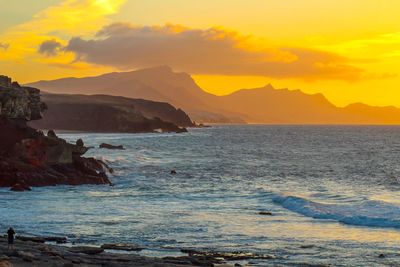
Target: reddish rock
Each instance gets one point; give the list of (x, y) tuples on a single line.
[(28, 157)]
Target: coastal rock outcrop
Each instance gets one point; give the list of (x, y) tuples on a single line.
[(30, 158), (109, 146), (19, 103)]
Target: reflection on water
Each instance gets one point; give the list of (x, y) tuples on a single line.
[(322, 184)]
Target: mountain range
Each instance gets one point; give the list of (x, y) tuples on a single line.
[(260, 105)]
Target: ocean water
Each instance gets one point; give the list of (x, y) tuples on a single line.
[(333, 192)]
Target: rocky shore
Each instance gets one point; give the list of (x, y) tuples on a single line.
[(34, 252), (28, 157)]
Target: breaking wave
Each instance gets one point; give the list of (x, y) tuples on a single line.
[(365, 213)]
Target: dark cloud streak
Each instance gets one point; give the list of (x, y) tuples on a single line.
[(50, 47), (4, 46)]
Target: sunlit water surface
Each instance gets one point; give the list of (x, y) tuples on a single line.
[(333, 193)]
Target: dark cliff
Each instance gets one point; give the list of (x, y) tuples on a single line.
[(102, 113), (27, 156)]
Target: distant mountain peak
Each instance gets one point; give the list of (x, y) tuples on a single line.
[(269, 86), (265, 104), (161, 68)]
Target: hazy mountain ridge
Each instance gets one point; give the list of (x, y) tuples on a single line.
[(258, 105), (157, 84)]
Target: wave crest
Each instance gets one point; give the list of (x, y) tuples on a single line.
[(366, 213)]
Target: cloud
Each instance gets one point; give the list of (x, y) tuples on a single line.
[(4, 46), (60, 21), (206, 51), (379, 46), (50, 47)]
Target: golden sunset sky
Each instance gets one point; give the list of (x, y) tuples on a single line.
[(347, 50)]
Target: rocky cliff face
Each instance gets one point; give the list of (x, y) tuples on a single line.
[(19, 103), (27, 156)]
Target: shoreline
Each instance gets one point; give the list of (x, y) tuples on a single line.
[(49, 252)]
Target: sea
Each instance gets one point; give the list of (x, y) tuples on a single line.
[(332, 191)]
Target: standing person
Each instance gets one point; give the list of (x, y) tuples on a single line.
[(11, 234)]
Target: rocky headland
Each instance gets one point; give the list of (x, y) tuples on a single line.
[(103, 113), (28, 157)]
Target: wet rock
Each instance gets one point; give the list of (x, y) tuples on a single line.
[(381, 256), (57, 239), (307, 246), (27, 256), (39, 254), (35, 239), (125, 247), (93, 166), (181, 130), (229, 256), (12, 253), (108, 146), (266, 213), (76, 260), (79, 142), (5, 263), (202, 262), (86, 250), (20, 187), (51, 134), (172, 260)]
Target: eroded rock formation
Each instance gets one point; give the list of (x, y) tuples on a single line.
[(30, 158)]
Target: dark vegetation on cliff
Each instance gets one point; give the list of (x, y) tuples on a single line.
[(102, 113), (30, 158)]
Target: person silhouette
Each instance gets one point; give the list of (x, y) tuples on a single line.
[(11, 234)]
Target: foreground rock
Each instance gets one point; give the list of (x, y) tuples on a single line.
[(124, 247), (39, 239), (86, 250), (229, 256), (44, 255), (30, 158)]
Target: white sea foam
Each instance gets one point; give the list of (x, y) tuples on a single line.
[(364, 213)]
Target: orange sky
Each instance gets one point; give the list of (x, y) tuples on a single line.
[(348, 50)]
